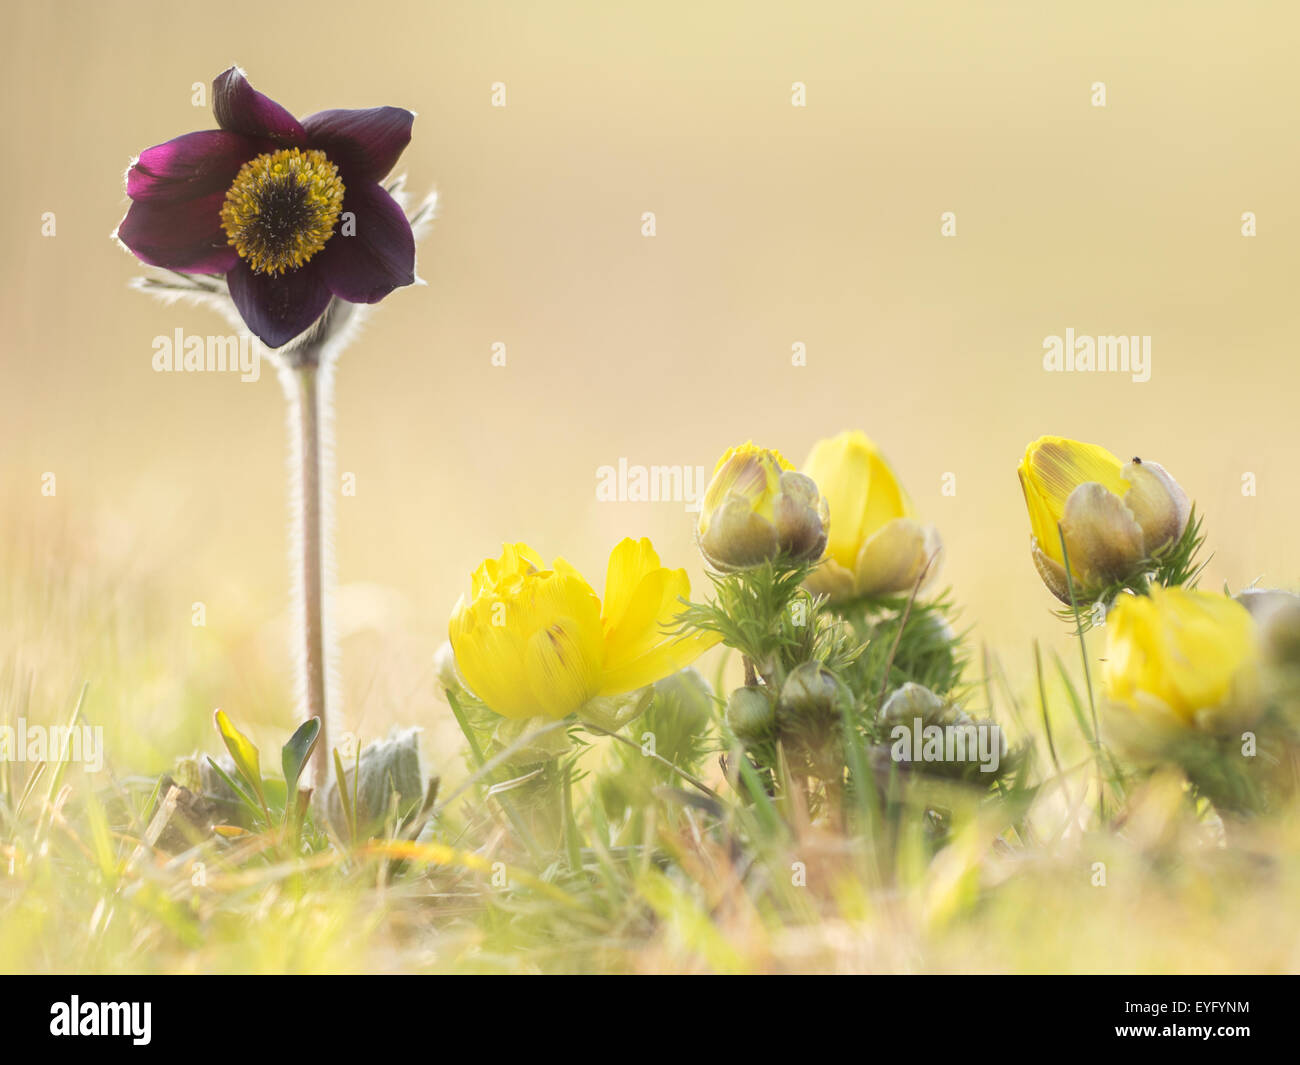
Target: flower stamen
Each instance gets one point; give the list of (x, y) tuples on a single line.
[(281, 209)]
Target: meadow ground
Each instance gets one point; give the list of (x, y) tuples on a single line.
[(1037, 880)]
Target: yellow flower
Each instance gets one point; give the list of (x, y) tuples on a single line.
[(757, 508), (876, 546), (532, 641), (1181, 656), (1115, 516)]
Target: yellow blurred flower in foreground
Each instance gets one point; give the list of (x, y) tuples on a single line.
[(532, 641), (758, 508), (876, 546), (1179, 656), (1114, 516)]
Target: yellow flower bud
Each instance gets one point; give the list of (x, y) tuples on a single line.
[(537, 642), (757, 508), (876, 546), (1180, 657), (1114, 516)]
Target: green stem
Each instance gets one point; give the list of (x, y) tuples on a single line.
[(589, 726), (572, 843), (476, 752), (1087, 675)]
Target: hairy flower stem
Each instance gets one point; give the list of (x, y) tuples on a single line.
[(307, 386)]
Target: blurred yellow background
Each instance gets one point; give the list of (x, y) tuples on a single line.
[(775, 225)]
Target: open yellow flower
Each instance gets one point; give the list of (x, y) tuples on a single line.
[(1182, 656), (758, 508), (1114, 516), (532, 641), (876, 546)]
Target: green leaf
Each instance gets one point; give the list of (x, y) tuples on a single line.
[(341, 789), (245, 754), (1042, 705), (294, 754), (1075, 700), (234, 787)]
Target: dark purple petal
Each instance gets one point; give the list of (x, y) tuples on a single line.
[(364, 144), (192, 165), (184, 235), (366, 267), (277, 309), (242, 109)]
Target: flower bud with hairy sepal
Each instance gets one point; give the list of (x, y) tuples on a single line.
[(808, 718), (758, 509), (388, 768), (978, 750), (674, 728), (1277, 614), (913, 702), (687, 697), (612, 712), (910, 702), (444, 665), (875, 547), (810, 693), (750, 714), (1114, 517)]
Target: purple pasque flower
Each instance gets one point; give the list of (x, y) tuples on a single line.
[(292, 213)]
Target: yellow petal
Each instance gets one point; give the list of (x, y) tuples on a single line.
[(1193, 652), (536, 649), (1208, 639), (1042, 519), (662, 660), (749, 450), (1053, 467), (748, 474), (490, 656), (562, 668), (629, 563), (860, 488), (515, 560), (642, 601), (566, 569), (648, 612)]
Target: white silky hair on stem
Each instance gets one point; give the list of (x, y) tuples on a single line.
[(306, 368)]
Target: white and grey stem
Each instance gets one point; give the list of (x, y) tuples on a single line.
[(307, 375)]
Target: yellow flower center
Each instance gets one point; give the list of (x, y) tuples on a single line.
[(281, 209)]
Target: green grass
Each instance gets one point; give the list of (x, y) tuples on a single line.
[(605, 861)]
